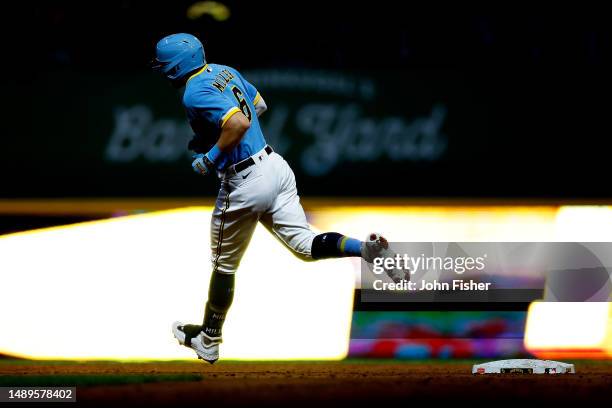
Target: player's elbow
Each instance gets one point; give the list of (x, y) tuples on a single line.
[(234, 130), (245, 124), (238, 123), (261, 106)]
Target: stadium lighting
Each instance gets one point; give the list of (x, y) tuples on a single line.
[(444, 223), (569, 330), (584, 223), (111, 289), (86, 290), (573, 329), (215, 9)]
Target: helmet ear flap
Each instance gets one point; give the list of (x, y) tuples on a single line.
[(177, 55), (173, 71)]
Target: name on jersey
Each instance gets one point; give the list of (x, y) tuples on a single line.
[(222, 79)]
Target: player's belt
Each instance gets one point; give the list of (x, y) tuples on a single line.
[(249, 161)]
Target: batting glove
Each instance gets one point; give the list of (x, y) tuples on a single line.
[(202, 164)]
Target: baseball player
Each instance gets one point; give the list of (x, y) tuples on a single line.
[(257, 184)]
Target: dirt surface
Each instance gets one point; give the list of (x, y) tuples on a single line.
[(359, 383)]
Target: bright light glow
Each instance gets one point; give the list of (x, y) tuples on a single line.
[(574, 330), (437, 223), (584, 223), (92, 290), (111, 289), (569, 330), (216, 10)]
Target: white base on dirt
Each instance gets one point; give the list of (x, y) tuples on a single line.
[(524, 366)]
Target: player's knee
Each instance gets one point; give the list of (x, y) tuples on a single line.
[(301, 252), (300, 246), (303, 256), (326, 246)]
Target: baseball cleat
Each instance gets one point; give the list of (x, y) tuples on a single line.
[(376, 246), (192, 336)]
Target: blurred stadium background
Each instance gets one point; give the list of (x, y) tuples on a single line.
[(429, 126)]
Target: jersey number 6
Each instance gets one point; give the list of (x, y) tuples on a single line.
[(244, 107)]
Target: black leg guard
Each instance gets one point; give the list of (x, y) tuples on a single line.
[(220, 297), (326, 246)]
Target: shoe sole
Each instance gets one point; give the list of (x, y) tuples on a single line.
[(180, 337)]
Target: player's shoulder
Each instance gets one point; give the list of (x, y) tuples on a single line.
[(208, 83), (226, 71), (199, 87)]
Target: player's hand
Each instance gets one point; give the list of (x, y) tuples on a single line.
[(202, 164)]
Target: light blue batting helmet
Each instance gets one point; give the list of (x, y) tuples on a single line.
[(177, 55)]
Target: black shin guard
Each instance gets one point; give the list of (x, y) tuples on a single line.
[(326, 246), (220, 297)]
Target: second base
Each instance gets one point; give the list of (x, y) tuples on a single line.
[(523, 366)]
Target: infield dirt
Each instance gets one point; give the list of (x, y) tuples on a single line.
[(358, 383)]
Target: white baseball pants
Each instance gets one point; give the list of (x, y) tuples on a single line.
[(264, 192)]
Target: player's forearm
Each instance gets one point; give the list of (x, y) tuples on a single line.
[(230, 139), (232, 132)]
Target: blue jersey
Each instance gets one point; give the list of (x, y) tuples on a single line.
[(212, 96)]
